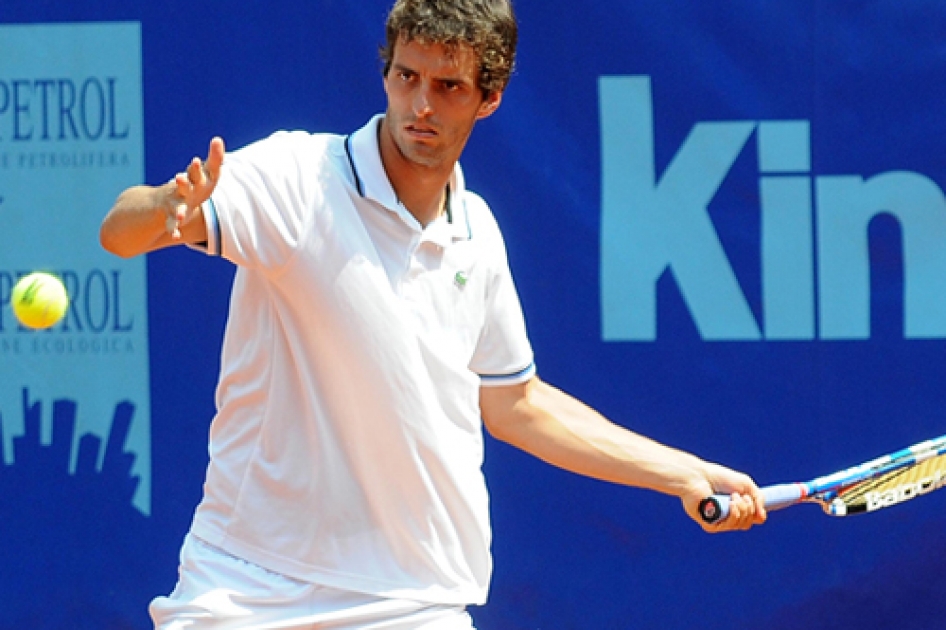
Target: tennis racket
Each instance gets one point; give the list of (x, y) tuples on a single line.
[(880, 483)]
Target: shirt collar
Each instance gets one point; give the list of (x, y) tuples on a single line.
[(372, 182)]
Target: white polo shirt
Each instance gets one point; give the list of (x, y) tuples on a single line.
[(347, 446)]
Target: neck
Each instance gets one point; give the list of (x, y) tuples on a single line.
[(422, 189)]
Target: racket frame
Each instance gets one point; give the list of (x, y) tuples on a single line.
[(826, 490)]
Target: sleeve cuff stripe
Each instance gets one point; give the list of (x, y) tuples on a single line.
[(214, 246), (509, 379)]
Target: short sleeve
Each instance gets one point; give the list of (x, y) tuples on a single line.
[(503, 354), (259, 209)]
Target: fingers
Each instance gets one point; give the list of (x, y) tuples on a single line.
[(200, 177), (195, 185), (760, 513), (747, 504), (186, 187), (173, 227), (215, 158), (741, 511), (745, 510), (196, 174), (177, 212)]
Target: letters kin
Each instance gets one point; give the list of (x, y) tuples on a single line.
[(812, 288)]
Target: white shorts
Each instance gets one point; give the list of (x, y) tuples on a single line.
[(218, 591)]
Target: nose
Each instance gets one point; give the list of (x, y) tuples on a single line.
[(421, 104)]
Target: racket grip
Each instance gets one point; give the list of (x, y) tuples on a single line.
[(716, 508)]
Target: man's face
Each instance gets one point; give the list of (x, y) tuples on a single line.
[(433, 101)]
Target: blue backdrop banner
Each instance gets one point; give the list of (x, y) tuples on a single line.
[(726, 221)]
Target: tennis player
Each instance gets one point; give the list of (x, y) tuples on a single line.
[(373, 327)]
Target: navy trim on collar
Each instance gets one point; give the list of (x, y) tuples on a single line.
[(362, 148), (469, 228), (351, 162)]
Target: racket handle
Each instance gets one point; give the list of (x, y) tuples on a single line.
[(716, 508)]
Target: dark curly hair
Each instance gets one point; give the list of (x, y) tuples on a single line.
[(487, 26)]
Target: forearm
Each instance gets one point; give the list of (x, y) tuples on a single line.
[(146, 218), (562, 431), (137, 223)]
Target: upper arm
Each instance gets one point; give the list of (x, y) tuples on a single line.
[(532, 415), (503, 407)]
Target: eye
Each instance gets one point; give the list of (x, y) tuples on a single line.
[(452, 87)]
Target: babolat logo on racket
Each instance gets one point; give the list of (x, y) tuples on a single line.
[(876, 500)]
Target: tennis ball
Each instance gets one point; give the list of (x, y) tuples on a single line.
[(39, 300)]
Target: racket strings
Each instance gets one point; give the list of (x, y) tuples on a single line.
[(899, 485)]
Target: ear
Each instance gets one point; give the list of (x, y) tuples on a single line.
[(489, 105)]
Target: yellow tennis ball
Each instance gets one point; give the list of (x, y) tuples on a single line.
[(39, 300)]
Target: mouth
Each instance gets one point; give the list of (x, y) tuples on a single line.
[(420, 132)]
